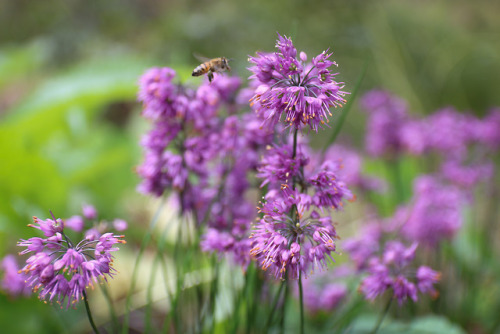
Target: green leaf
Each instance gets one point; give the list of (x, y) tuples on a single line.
[(347, 107)]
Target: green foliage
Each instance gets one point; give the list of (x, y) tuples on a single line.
[(423, 325), (69, 129)]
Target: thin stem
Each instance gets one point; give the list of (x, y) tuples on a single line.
[(89, 314), (275, 303), (64, 235), (382, 316), (304, 81), (301, 299), (283, 309), (294, 154), (145, 241), (149, 294), (112, 312)]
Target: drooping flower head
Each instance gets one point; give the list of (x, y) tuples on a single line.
[(60, 270), (278, 165), (287, 242), (392, 271), (302, 92)]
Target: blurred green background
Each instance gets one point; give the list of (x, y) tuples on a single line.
[(69, 123)]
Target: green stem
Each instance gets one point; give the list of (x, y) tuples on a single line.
[(382, 316), (301, 299), (394, 169), (89, 314), (148, 312), (252, 297), (283, 309), (145, 241), (275, 303), (112, 312)]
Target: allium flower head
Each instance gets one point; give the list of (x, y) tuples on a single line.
[(303, 92), (60, 270), (392, 270), (287, 242), (330, 190), (278, 166)]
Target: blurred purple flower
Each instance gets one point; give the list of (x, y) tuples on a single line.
[(466, 176), (413, 137), (426, 279), (392, 271), (75, 223), (323, 291), (448, 132), (350, 168), (435, 213), (488, 130), (120, 225), (89, 211), (362, 248), (156, 92), (13, 281), (386, 116)]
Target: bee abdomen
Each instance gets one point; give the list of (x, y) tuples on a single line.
[(200, 70)]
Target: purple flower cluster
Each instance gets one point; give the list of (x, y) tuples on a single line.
[(295, 236), (456, 137), (184, 120), (365, 245), (279, 166), (287, 242), (88, 219), (59, 269), (286, 85), (13, 281), (435, 213), (386, 116), (392, 271), (202, 152)]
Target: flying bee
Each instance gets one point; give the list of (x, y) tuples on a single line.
[(211, 66)]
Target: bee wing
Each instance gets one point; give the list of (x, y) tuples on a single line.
[(201, 58)]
